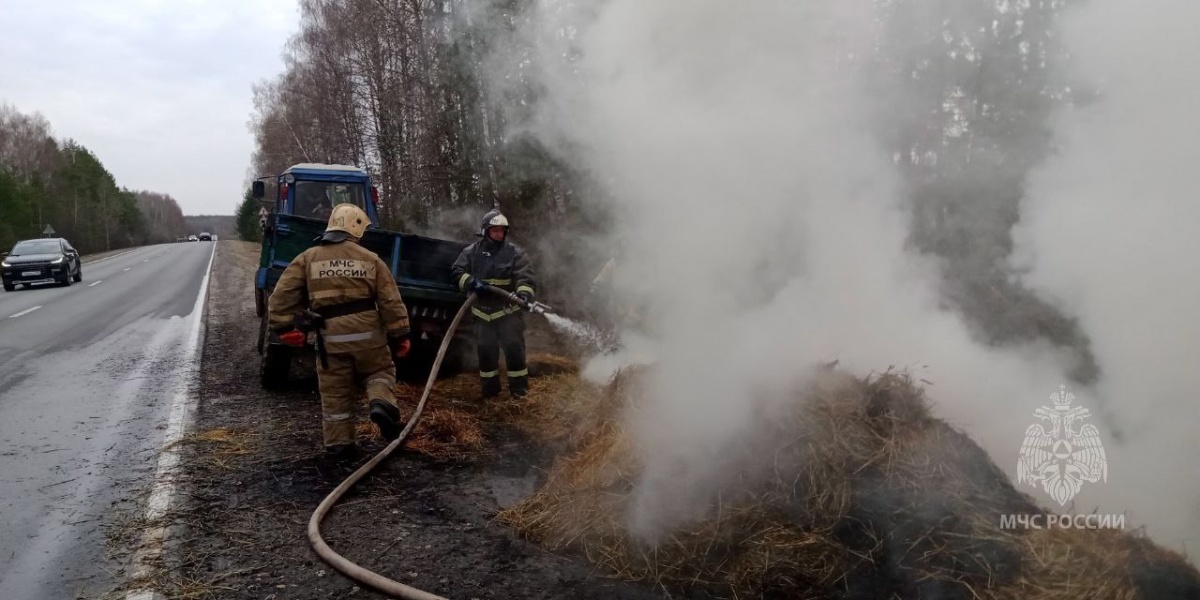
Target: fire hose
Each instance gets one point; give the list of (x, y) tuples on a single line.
[(339, 562)]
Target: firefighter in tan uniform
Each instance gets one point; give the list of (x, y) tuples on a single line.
[(346, 294)]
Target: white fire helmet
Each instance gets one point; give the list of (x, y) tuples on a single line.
[(494, 218), (348, 218)]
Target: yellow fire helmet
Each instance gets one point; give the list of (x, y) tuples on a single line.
[(349, 219)]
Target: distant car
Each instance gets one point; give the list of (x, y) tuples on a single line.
[(205, 236), (45, 260), (192, 238)]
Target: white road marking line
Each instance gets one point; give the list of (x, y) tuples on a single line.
[(92, 262), (126, 268), (24, 312), (97, 283), (182, 406)]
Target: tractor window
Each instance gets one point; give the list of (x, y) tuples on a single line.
[(316, 199)]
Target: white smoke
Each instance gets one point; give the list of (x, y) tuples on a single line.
[(1110, 230), (768, 225), (768, 228)]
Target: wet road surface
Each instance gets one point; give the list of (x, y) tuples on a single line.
[(87, 377)]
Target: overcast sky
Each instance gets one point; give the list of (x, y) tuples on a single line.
[(159, 90)]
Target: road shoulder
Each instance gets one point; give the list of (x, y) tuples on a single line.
[(255, 471)]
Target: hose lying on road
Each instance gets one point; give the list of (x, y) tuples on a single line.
[(351, 570)]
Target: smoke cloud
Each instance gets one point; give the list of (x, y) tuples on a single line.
[(769, 231), (1110, 230)]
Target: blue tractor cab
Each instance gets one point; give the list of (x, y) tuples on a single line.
[(305, 194)]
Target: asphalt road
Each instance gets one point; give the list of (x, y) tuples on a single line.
[(87, 377)]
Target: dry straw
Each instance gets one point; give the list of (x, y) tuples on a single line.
[(860, 493)]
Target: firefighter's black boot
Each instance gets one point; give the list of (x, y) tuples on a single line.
[(489, 387), (343, 452), (518, 386), (387, 418)]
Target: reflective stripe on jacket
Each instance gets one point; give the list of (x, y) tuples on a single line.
[(502, 264)]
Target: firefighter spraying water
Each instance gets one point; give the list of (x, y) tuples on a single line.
[(496, 263)]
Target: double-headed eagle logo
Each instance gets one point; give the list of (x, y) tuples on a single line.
[(1062, 451)]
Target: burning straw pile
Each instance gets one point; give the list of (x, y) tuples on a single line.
[(860, 494)]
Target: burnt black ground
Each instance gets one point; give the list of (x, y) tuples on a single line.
[(424, 523)]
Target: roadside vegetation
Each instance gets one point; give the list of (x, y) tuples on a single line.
[(45, 181)]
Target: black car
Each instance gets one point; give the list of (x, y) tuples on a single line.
[(46, 260), (205, 236)]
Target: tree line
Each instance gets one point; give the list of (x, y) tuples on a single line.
[(406, 89), (45, 182), (222, 226)]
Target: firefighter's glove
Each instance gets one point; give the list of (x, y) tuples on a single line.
[(525, 297), (476, 285), (400, 346), (294, 337)]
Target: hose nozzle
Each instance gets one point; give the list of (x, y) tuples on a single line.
[(532, 306), (538, 308)]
